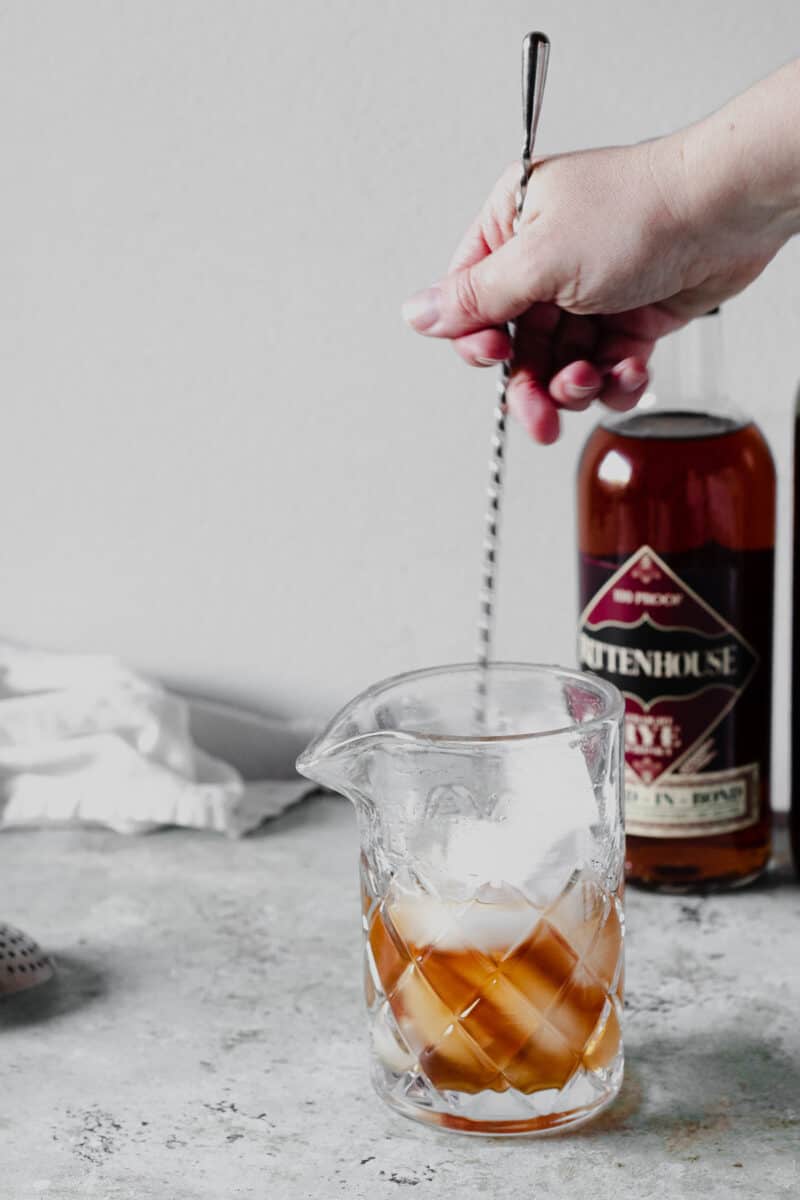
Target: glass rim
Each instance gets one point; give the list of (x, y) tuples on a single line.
[(613, 700)]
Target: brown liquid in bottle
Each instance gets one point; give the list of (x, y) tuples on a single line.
[(700, 491)]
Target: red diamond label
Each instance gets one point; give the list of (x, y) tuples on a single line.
[(680, 665)]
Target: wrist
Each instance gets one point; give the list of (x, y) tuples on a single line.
[(682, 207), (742, 167)]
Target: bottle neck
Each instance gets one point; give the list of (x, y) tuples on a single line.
[(687, 396), (687, 369)]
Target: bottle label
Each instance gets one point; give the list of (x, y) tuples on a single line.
[(693, 805), (682, 668)]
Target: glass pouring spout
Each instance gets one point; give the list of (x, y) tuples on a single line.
[(340, 758), (381, 734), (414, 733), (375, 729)]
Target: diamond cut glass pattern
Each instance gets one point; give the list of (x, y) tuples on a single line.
[(491, 877), (475, 1017)]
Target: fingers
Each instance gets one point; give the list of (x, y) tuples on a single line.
[(490, 229), (624, 384), (488, 348), (496, 289), (632, 335), (493, 225), (546, 338), (620, 388), (535, 405), (579, 380), (561, 360), (471, 249), (534, 408), (576, 386), (528, 398)]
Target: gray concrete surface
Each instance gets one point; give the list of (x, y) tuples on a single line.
[(205, 1036)]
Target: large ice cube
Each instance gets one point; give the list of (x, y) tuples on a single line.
[(540, 827), (494, 921)]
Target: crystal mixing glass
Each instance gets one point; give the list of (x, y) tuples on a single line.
[(492, 856)]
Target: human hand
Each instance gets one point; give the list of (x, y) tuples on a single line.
[(616, 248)]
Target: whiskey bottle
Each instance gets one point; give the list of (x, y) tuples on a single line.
[(676, 533)]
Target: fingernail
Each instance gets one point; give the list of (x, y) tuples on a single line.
[(489, 362), (631, 380), (422, 310), (576, 392)]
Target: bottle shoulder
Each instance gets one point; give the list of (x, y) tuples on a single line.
[(674, 424), (676, 493), (671, 444)]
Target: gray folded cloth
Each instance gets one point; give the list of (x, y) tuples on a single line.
[(83, 739)]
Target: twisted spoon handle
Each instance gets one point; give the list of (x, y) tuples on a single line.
[(535, 54)]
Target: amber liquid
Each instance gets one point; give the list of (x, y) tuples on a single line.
[(700, 489), (503, 997)]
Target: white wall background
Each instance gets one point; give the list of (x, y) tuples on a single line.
[(224, 457)]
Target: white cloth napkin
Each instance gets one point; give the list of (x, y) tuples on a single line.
[(83, 739)]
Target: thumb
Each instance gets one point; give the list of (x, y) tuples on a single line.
[(494, 290)]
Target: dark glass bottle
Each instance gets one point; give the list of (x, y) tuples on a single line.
[(676, 532)]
